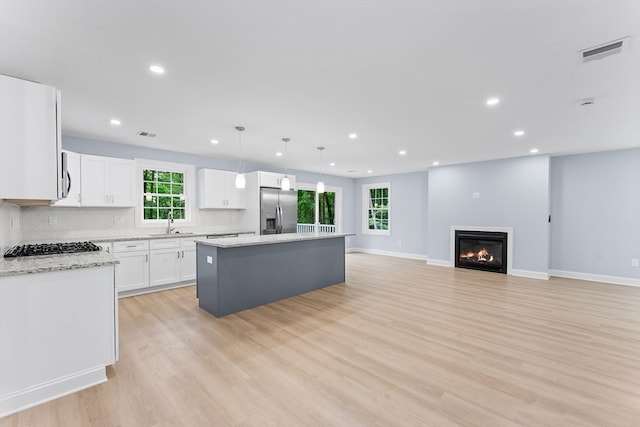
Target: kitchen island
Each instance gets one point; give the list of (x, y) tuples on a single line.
[(234, 274)]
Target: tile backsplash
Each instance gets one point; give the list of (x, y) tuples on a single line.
[(50, 223), (10, 226)]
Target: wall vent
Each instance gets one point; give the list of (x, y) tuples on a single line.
[(147, 134), (604, 50)]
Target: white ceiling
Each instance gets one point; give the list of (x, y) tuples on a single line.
[(402, 74)]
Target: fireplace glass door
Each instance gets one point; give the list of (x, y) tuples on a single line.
[(481, 250)]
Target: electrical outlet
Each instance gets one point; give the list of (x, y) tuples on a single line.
[(14, 223), (118, 219), (53, 220), (476, 195), (399, 242), (635, 262)]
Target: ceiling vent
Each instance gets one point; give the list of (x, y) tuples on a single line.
[(602, 51), (147, 134)]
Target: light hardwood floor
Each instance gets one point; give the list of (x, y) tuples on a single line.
[(400, 343)]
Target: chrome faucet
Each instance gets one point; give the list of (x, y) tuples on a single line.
[(169, 221)]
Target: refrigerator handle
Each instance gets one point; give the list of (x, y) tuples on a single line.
[(279, 214)]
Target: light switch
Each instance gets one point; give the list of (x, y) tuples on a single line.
[(209, 260), (476, 195)]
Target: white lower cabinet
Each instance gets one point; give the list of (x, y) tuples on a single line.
[(172, 261), (156, 262), (133, 270), (165, 261), (58, 332), (188, 259)]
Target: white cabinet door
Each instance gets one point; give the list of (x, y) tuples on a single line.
[(274, 180), (29, 140), (165, 266), (94, 180), (133, 270), (106, 181), (188, 259), (211, 189), (73, 171), (122, 179), (217, 190)]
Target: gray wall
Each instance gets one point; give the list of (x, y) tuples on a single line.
[(513, 193), (408, 215), (595, 204)]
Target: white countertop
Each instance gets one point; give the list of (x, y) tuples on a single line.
[(234, 242)]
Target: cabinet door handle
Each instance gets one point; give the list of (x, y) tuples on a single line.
[(106, 198), (182, 254), (131, 246), (178, 254), (112, 198), (146, 258)]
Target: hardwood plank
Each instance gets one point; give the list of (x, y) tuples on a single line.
[(399, 343)]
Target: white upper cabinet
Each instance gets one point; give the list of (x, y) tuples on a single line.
[(73, 175), (274, 180), (107, 181), (30, 141), (217, 190)]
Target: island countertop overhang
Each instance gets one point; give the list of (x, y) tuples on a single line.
[(234, 242)]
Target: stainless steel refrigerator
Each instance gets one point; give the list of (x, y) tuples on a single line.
[(278, 211)]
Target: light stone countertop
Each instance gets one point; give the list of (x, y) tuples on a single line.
[(138, 236), (46, 263), (234, 242)]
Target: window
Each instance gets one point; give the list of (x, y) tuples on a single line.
[(163, 192), (318, 212), (376, 209), (164, 188)]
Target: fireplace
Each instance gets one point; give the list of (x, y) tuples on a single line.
[(481, 250)]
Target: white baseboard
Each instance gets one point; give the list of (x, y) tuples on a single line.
[(530, 274), (440, 262), (41, 393), (141, 291), (513, 272), (616, 280), (389, 253)]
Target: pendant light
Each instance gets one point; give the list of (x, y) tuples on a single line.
[(320, 186), (240, 180), (285, 184)]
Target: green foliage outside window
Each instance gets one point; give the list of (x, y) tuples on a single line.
[(307, 207), (163, 192), (378, 212)]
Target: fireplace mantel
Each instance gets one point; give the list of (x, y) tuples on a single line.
[(508, 230)]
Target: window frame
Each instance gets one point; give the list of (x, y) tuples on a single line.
[(365, 208), (188, 172)]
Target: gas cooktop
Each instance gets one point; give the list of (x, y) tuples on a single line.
[(51, 249)]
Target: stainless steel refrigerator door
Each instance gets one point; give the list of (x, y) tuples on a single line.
[(289, 211), (268, 211)]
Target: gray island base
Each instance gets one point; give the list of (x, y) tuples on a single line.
[(239, 273)]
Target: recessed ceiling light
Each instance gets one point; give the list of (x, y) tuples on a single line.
[(279, 154), (369, 171), (353, 135), (533, 150), (214, 141), (519, 132), (115, 122), (436, 163), (493, 101), (332, 164), (402, 152), (157, 69)]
